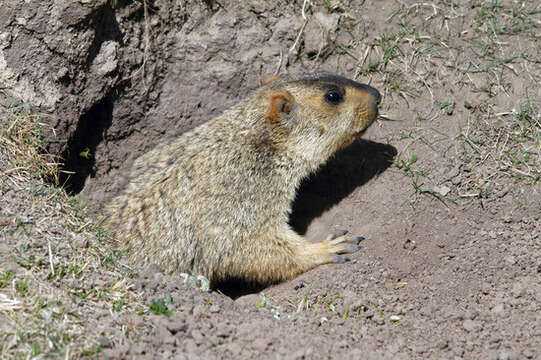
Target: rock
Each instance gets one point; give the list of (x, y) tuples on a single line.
[(518, 290), (169, 339), (472, 314), (378, 320), (176, 327), (260, 344), (234, 348), (198, 310), (197, 336), (80, 241), (248, 301), (528, 353), (469, 325), (319, 31), (510, 260), (106, 61), (442, 190), (497, 309), (105, 342)]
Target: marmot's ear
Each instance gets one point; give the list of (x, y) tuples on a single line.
[(280, 107)]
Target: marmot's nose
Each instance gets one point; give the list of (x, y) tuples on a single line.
[(375, 94), (370, 90)]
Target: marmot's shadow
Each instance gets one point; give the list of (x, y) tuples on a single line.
[(347, 170)]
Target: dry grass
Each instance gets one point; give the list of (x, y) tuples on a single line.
[(49, 248)]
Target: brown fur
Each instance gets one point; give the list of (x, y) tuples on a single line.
[(215, 201)]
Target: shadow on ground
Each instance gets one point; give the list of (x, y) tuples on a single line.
[(348, 169)]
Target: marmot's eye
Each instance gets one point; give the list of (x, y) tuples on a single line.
[(334, 97)]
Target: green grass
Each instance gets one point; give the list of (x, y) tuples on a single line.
[(161, 306), (5, 278), (436, 52)]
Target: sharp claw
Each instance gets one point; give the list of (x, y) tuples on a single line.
[(358, 239), (349, 249), (341, 233), (340, 259)]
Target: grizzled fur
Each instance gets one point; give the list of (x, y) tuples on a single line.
[(215, 201)]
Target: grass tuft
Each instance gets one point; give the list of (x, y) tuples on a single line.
[(49, 244)]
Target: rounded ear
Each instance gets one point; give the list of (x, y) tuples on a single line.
[(280, 106)]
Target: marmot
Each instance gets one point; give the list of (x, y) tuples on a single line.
[(215, 201)]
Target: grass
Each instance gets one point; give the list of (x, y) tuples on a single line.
[(161, 306), (509, 141), (45, 301), (469, 50)]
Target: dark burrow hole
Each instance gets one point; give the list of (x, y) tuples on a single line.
[(78, 158), (350, 168)]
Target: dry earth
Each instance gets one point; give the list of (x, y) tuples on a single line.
[(445, 187)]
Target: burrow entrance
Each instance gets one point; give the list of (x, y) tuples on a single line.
[(79, 156)]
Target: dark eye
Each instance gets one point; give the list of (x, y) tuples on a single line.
[(334, 97)]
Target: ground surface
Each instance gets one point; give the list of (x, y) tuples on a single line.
[(447, 193)]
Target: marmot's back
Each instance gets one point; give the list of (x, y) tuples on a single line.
[(215, 201)]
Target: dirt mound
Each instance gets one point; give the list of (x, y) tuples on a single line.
[(445, 187)]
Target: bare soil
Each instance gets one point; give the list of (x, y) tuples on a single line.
[(444, 187)]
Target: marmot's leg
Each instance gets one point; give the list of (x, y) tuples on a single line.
[(288, 255), (332, 249)]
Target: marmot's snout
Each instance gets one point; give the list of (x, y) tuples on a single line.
[(376, 96), (368, 100)]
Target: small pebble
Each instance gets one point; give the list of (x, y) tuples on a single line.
[(80, 242), (177, 327), (105, 342), (528, 353), (510, 259), (497, 309), (469, 325)]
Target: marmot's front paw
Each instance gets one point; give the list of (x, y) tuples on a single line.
[(339, 244)]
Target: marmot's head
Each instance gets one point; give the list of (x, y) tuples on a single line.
[(316, 114)]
